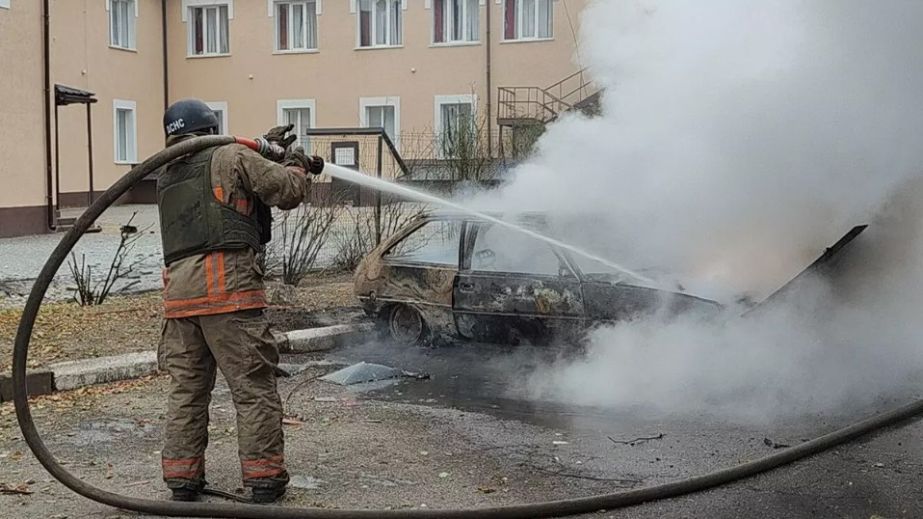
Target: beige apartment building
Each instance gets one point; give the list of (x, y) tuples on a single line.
[(83, 105)]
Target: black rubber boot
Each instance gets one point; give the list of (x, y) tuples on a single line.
[(189, 491), (267, 495)]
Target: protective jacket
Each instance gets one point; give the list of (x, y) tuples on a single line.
[(211, 233)]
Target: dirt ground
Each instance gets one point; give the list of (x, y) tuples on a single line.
[(343, 452), (124, 324)]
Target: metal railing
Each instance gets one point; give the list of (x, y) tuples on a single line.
[(530, 104)]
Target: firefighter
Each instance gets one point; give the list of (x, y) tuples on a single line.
[(215, 219)]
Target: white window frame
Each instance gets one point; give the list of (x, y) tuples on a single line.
[(354, 8), (454, 43), (132, 27), (299, 104), (5, 4), (440, 100), (187, 6), (221, 106), (132, 151), (519, 20), (318, 10), (394, 101)]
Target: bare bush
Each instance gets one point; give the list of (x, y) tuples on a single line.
[(304, 233), (90, 292)]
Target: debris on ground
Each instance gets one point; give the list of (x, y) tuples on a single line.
[(635, 441), (364, 372), (305, 482), (22, 489), (774, 445)]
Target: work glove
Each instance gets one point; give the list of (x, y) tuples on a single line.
[(310, 163), (278, 136)]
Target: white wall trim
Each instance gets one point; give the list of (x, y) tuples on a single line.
[(282, 104), (108, 5), (428, 4), (5, 4), (353, 7), (186, 4), (223, 107), (271, 6), (125, 104)]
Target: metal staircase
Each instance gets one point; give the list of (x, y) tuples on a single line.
[(527, 106)]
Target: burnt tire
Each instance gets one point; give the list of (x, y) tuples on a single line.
[(405, 326)]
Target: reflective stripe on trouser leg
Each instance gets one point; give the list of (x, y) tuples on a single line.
[(190, 469)]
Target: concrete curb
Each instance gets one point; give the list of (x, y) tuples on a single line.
[(38, 382), (324, 338), (88, 372), (64, 376)]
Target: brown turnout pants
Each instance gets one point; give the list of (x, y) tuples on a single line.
[(191, 351)]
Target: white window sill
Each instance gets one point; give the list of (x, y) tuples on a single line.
[(456, 44), (380, 47), (526, 40), (126, 49), (296, 51), (203, 56), (126, 162)]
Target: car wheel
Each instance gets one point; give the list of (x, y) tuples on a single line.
[(405, 325)]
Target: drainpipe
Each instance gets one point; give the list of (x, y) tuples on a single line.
[(46, 62), (166, 72), (490, 140)]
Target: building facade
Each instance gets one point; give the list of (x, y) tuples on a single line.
[(412, 67)]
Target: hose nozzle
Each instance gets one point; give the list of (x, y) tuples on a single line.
[(269, 150)]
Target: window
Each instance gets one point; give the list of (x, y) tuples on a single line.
[(126, 132), (499, 249), (436, 242), (208, 30), (380, 23), (455, 21), (296, 26), (5, 4), (455, 124), (300, 113), (381, 112), (527, 19), (221, 112), (122, 23)]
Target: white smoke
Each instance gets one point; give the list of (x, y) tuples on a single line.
[(737, 140)]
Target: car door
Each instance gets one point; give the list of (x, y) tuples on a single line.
[(419, 270), (512, 287)]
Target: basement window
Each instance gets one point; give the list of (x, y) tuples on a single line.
[(456, 21), (380, 23), (221, 112), (122, 23), (296, 26), (381, 112), (208, 30), (527, 19), (456, 128), (126, 132), (301, 114)]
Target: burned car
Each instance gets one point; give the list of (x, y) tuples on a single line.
[(453, 276)]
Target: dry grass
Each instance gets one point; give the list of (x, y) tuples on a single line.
[(124, 324)]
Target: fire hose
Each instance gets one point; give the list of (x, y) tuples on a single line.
[(559, 508)]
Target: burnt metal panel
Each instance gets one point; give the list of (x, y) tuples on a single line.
[(819, 267), (620, 302)]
